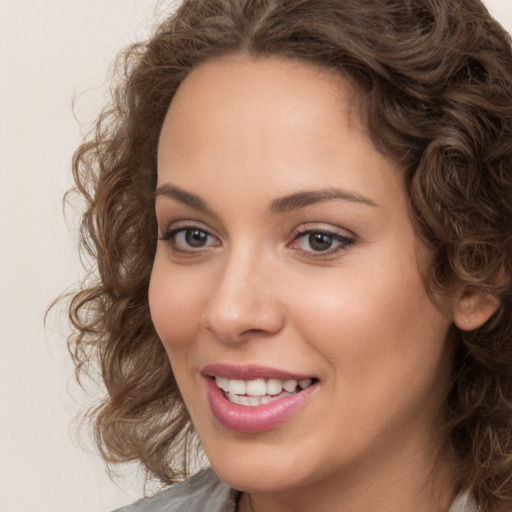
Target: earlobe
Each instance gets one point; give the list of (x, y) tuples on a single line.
[(473, 308)]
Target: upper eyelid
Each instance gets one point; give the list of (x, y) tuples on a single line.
[(334, 234), (302, 229), (169, 220), (184, 224), (323, 227)]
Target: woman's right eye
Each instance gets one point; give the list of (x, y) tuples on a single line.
[(189, 239)]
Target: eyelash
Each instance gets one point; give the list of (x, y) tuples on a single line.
[(170, 236), (343, 242)]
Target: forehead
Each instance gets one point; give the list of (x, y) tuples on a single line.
[(269, 77), (269, 96), (274, 119)]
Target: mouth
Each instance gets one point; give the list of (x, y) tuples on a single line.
[(252, 393), (254, 398)]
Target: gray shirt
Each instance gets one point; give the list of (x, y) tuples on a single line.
[(204, 492)]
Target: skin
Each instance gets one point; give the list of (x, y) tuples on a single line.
[(241, 133)]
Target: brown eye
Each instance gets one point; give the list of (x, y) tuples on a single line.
[(320, 241), (189, 239), (196, 237)]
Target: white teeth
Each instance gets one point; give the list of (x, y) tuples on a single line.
[(223, 383), (254, 400), (305, 383), (290, 385), (274, 386), (251, 401), (234, 398), (256, 387), (237, 387), (265, 399), (259, 391)]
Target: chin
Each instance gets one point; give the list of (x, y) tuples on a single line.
[(263, 469), (259, 478)]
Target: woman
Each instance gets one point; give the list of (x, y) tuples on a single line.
[(301, 214)]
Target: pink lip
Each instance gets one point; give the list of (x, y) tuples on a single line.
[(249, 372), (257, 418)]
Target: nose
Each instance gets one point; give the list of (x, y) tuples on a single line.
[(244, 302)]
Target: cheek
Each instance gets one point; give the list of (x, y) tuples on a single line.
[(371, 323), (385, 345), (176, 302)]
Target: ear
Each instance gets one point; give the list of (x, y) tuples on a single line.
[(473, 308)]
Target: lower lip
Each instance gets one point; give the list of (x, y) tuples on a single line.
[(256, 418)]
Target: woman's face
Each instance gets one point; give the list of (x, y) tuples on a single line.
[(287, 258)]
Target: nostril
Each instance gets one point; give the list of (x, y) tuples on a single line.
[(251, 331)]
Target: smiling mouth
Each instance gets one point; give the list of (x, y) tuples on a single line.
[(256, 392)]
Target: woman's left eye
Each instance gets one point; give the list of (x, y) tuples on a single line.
[(189, 239), (320, 242)]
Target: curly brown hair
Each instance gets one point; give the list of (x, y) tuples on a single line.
[(436, 77)]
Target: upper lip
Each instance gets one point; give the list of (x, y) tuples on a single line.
[(250, 372)]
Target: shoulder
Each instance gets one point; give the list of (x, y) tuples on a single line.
[(202, 492)]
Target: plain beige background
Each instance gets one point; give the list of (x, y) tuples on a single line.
[(52, 51)]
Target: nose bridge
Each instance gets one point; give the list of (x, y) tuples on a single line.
[(243, 300)]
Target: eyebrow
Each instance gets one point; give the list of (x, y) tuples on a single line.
[(300, 200), (183, 197), (295, 201)]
